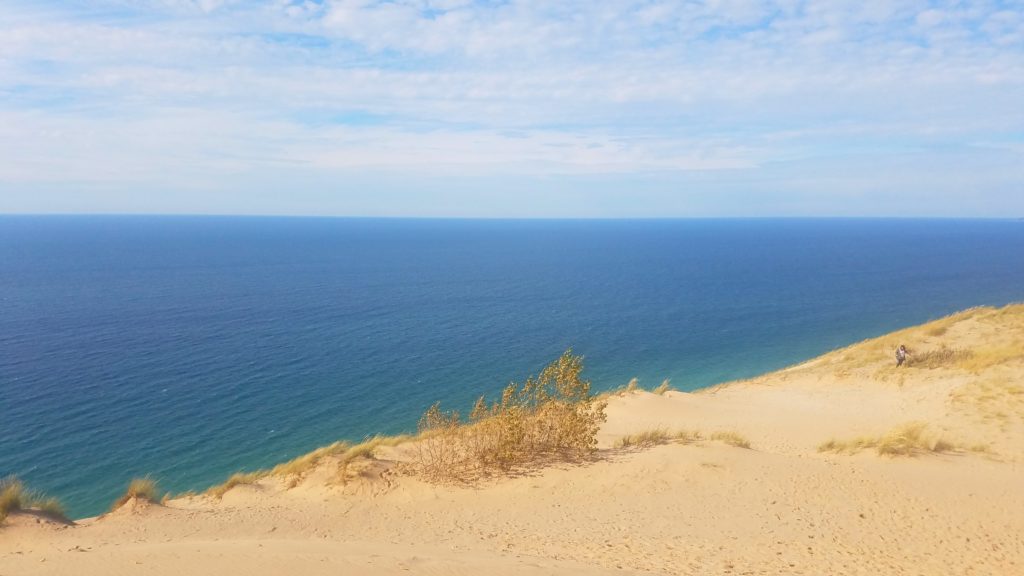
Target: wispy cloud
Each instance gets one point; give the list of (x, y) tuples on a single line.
[(644, 107)]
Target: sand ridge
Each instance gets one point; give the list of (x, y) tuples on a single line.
[(701, 506)]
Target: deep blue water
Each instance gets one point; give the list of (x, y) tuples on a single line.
[(189, 348)]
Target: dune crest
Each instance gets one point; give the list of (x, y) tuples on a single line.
[(844, 464)]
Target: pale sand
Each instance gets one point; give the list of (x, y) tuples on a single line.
[(704, 507)]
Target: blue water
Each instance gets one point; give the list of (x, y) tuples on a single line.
[(189, 348)]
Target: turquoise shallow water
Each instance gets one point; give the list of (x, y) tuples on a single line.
[(189, 348)]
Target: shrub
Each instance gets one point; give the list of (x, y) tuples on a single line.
[(552, 416), (664, 387)]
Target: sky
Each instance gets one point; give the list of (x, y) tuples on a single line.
[(517, 108)]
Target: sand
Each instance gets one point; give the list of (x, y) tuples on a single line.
[(697, 507)]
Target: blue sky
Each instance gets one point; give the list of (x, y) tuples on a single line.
[(513, 108)]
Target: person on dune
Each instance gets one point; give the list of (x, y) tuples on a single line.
[(901, 355)]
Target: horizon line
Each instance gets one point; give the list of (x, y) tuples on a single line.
[(494, 218)]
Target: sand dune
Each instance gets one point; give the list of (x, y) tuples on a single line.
[(946, 499)]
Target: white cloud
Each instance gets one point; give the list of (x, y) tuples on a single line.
[(208, 90)]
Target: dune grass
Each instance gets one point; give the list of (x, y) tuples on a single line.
[(665, 386), (909, 439), (236, 479), (656, 436), (731, 438), (14, 497), (306, 462), (145, 488), (644, 439), (938, 358), (293, 471)]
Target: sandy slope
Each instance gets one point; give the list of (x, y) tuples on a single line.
[(702, 507)]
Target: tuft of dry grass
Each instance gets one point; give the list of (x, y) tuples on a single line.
[(656, 436), (633, 385), (236, 479), (665, 386), (14, 497), (910, 439), (303, 464), (938, 358), (296, 469), (731, 438), (144, 488), (644, 439), (553, 416), (687, 436)]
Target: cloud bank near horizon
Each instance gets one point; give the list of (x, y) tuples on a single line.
[(513, 108)]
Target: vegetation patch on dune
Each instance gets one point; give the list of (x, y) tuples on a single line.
[(656, 436), (731, 438), (910, 439), (15, 497), (550, 417), (303, 464), (341, 454), (145, 488), (665, 386), (236, 479), (938, 358)]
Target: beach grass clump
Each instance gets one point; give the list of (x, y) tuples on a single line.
[(144, 488), (236, 479), (938, 358), (12, 496), (910, 439), (294, 470), (644, 439), (687, 436), (303, 464), (550, 417), (665, 386), (656, 436), (731, 438), (15, 497)]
